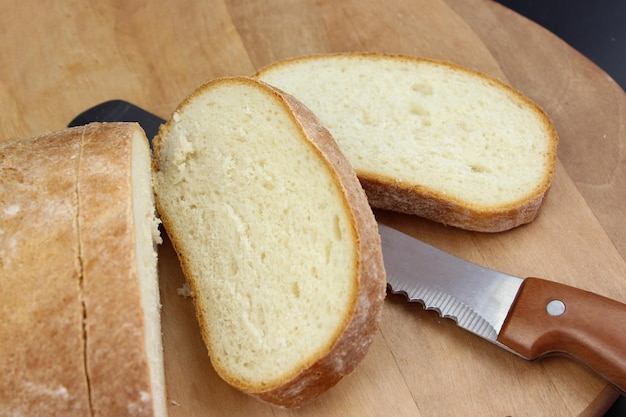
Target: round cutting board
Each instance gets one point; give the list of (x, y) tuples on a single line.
[(59, 61)]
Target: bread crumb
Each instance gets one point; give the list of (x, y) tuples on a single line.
[(184, 291), (175, 403)]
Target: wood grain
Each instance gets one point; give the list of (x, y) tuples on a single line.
[(58, 61)]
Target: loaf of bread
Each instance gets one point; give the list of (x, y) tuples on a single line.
[(275, 237), (79, 300), (430, 138)]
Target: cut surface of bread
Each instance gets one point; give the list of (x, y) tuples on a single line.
[(428, 137), (275, 237), (81, 334)]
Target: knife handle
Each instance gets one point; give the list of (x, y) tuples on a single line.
[(548, 317)]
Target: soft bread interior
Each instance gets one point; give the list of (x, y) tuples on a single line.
[(147, 237), (418, 123), (266, 236)]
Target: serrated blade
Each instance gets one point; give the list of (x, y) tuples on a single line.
[(477, 298)]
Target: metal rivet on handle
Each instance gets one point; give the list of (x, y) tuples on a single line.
[(555, 307)]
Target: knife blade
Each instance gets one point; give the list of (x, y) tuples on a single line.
[(120, 111), (530, 317), (478, 299)]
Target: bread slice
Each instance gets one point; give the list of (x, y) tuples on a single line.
[(430, 138), (275, 237), (80, 304), (118, 233)]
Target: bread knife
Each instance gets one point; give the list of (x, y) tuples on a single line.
[(530, 317)]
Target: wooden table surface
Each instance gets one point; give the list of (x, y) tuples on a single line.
[(63, 57)]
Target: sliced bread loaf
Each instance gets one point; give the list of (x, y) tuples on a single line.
[(80, 330), (430, 138), (275, 237)]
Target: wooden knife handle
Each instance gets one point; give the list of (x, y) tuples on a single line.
[(589, 327)]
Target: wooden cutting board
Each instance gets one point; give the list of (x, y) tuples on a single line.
[(58, 61)]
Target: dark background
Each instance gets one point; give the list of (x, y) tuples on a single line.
[(597, 29)]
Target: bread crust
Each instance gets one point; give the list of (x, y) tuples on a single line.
[(352, 344), (42, 363), (72, 332), (432, 205), (388, 193), (114, 325)]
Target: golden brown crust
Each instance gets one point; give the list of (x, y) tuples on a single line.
[(386, 193), (71, 342), (352, 344), (438, 208), (41, 344), (114, 315)]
